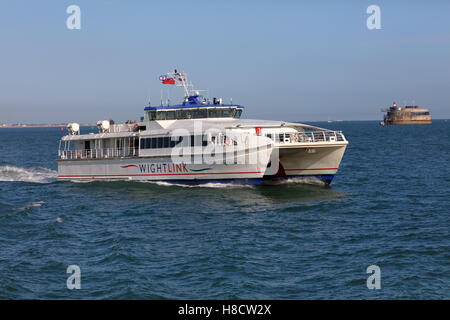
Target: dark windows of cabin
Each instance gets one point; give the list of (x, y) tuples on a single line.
[(200, 113), (281, 137), (169, 142)]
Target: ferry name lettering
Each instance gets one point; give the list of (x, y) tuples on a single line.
[(163, 167)]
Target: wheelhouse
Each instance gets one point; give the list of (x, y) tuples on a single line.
[(194, 107)]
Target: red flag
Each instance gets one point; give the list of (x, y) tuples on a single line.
[(169, 81)]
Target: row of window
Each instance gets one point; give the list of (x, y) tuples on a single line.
[(196, 140), (195, 113), (424, 113), (170, 142), (278, 137)]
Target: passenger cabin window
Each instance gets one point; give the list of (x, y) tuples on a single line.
[(171, 142)]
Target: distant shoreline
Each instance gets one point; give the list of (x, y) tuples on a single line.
[(47, 125), (63, 125)]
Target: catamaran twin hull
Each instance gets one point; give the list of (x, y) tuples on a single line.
[(313, 161), (254, 151)]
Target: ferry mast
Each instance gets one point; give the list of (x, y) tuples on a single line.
[(179, 79)]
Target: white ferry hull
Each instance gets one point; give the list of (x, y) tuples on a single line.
[(314, 159), (243, 164), (317, 161), (153, 169)]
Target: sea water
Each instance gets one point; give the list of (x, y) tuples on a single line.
[(388, 206)]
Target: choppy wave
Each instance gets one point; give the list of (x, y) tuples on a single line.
[(217, 185), (31, 205), (37, 175)]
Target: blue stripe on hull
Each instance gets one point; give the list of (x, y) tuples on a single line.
[(327, 178), (254, 181)]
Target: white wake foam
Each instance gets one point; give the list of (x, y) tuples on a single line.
[(37, 175), (300, 180), (202, 185)]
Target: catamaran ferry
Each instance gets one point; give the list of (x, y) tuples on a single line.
[(200, 141)]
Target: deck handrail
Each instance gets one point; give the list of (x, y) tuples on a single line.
[(103, 153), (288, 137), (311, 136)]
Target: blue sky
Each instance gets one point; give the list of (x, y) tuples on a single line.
[(287, 60)]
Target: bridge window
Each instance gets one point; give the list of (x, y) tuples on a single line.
[(215, 113), (182, 114), (161, 115), (170, 115), (200, 113), (227, 113), (152, 115)]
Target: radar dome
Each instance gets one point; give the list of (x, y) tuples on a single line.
[(73, 128), (105, 125)]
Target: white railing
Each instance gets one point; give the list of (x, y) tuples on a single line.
[(98, 153), (121, 127), (309, 136)]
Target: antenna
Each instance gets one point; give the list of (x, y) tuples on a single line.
[(168, 96), (180, 80)]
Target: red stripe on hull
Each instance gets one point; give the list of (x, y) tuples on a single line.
[(154, 174), (311, 169)]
